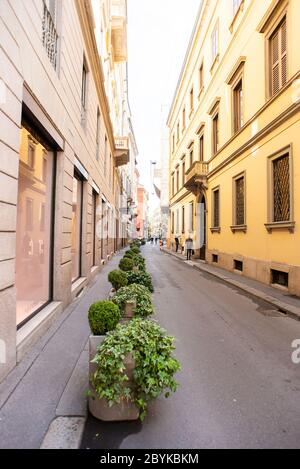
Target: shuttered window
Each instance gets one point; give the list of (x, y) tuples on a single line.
[(215, 133), (201, 148), (183, 172), (216, 206), (240, 201), (238, 106), (278, 57), (281, 189)]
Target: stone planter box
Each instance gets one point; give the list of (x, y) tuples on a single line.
[(99, 407)]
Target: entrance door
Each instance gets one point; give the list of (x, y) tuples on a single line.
[(203, 231)]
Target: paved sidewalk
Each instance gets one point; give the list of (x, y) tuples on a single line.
[(283, 301), (52, 379)]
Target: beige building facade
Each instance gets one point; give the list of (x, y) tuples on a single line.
[(234, 140), (66, 147)]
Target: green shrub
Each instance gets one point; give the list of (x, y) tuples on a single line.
[(129, 254), (135, 250), (143, 242), (118, 279), (155, 365), (139, 262), (103, 317), (126, 264), (141, 294), (141, 278)]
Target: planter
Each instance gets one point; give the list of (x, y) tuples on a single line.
[(123, 411), (135, 268), (94, 342)]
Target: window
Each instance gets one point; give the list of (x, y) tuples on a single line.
[(105, 155), (76, 226), (281, 188), (172, 223), (84, 85), (278, 57), (201, 148), (173, 143), (191, 157), (34, 227), (239, 184), (31, 154), (216, 208), (192, 100), (238, 265), (44, 168), (236, 6), (173, 184), (93, 229), (98, 134), (201, 77), (183, 172), (215, 258), (49, 31), (177, 221), (215, 43), (183, 219), (183, 120), (238, 106), (178, 131), (279, 278), (177, 179), (215, 130)]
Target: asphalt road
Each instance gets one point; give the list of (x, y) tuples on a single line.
[(238, 385)]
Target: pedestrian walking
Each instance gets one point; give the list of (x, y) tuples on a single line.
[(189, 246), (177, 243)]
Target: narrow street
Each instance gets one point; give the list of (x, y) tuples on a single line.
[(238, 385)]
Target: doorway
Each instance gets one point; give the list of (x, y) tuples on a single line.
[(203, 228)]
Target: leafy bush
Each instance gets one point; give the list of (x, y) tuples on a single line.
[(141, 278), (139, 262), (129, 254), (135, 250), (155, 365), (103, 317), (126, 264), (118, 279), (141, 294)]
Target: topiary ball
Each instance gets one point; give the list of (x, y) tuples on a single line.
[(103, 317), (118, 279), (126, 264)]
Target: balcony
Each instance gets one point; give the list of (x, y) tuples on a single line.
[(196, 177), (121, 151), (119, 39)]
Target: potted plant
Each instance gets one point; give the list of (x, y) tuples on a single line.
[(118, 279), (142, 278), (141, 295), (103, 317), (134, 365), (126, 264)]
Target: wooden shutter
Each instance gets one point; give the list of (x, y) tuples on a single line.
[(278, 45)]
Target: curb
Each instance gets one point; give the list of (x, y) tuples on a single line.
[(287, 309), (64, 433)]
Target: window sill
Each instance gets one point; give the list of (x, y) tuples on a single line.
[(237, 228), (216, 229), (282, 225), (237, 13)]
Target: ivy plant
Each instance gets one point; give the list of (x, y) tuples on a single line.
[(155, 365), (139, 293)]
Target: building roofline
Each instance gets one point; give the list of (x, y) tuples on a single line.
[(187, 55)]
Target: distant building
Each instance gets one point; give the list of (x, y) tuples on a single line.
[(142, 225)]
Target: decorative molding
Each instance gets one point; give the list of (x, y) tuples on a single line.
[(238, 228), (275, 5), (288, 225), (237, 13), (200, 128), (213, 106), (215, 229), (236, 69)]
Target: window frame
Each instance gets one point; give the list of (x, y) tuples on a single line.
[(242, 227), (214, 228), (215, 130), (288, 224), (215, 48)]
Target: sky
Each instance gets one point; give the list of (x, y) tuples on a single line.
[(158, 35)]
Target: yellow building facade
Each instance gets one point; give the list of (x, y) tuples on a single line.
[(235, 140)]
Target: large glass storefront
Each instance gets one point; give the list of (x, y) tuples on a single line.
[(34, 226), (76, 226)]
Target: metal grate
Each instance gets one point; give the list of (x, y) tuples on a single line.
[(216, 209), (50, 37), (281, 178), (240, 201)]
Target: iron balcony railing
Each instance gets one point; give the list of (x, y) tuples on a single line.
[(50, 37)]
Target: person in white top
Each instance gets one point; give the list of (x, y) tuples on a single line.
[(189, 245)]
